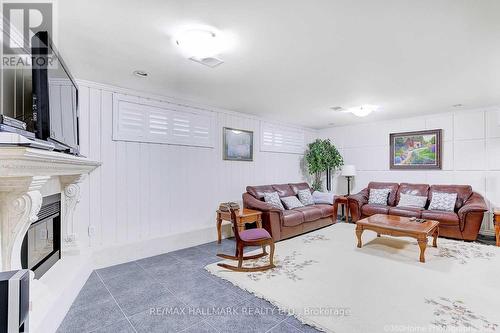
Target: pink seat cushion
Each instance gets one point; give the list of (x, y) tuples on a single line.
[(254, 234)]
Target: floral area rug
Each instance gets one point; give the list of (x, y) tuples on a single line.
[(325, 281)]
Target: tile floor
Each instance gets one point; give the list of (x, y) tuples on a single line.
[(172, 292)]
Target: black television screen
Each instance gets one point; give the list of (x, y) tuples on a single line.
[(55, 96)]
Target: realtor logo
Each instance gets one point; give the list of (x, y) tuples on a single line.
[(21, 22)]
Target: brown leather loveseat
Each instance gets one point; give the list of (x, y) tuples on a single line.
[(463, 223), (283, 224)]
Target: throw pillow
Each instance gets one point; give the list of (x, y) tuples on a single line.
[(274, 199), (323, 198), (443, 201), (291, 202), (408, 200), (305, 197), (378, 196)]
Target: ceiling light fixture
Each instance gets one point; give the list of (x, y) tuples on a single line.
[(363, 110), (140, 73), (457, 105), (201, 42)]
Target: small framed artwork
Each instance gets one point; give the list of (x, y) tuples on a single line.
[(416, 150), (237, 144)]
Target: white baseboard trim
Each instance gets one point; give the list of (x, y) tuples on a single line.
[(54, 293), (108, 256)]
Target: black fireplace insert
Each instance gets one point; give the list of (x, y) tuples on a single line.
[(41, 247)]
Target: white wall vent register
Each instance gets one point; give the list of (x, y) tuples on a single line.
[(281, 139), (141, 120)]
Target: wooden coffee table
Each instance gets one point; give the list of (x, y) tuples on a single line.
[(399, 226)]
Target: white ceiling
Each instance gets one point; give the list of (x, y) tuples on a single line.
[(295, 59)]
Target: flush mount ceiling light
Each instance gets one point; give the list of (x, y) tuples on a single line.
[(362, 110), (140, 73), (202, 41)]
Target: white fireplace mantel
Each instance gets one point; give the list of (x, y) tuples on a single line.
[(23, 172)]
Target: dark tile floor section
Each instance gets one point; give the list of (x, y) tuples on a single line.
[(172, 292)]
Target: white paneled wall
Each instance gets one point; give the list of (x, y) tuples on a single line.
[(146, 190), (471, 152)]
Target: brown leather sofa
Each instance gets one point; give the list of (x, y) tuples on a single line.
[(464, 223), (283, 224)]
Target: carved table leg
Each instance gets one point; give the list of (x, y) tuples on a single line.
[(219, 229), (241, 225), (259, 221), (497, 233), (422, 243), (335, 211), (435, 235), (359, 232)]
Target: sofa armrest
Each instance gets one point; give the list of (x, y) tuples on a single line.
[(272, 217), (251, 202), (355, 203), (475, 203), (472, 210)]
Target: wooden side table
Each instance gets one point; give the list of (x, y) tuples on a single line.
[(341, 200), (243, 216), (496, 219)]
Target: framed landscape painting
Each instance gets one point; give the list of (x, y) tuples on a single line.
[(416, 150), (238, 144)]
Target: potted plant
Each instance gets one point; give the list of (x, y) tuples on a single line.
[(322, 156)]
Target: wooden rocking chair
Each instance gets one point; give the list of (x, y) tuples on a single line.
[(251, 237)]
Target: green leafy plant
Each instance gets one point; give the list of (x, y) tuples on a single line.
[(321, 156)]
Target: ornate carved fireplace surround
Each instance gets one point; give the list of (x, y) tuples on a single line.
[(23, 172)]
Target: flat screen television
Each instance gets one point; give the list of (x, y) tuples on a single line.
[(55, 96)]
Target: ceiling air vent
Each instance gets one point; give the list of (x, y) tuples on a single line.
[(337, 108), (209, 61)]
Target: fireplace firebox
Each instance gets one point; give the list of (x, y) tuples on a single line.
[(41, 247)]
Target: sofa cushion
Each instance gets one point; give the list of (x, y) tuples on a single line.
[(292, 218), (274, 200), (254, 234), (258, 191), (421, 190), (323, 197), (284, 190), (310, 213), (291, 202), (463, 192), (406, 211), (446, 218), (391, 200), (410, 200), (370, 209), (443, 201), (378, 196), (305, 197), (300, 186), (326, 210)]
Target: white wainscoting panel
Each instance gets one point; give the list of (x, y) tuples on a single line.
[(470, 152), (149, 190)]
